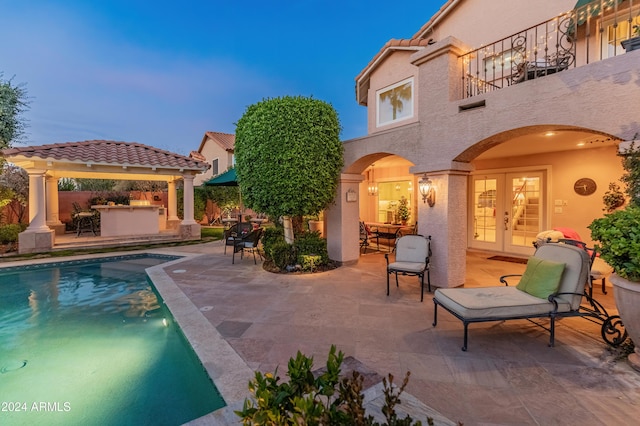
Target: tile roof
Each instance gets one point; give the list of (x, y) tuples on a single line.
[(107, 152), (226, 140)]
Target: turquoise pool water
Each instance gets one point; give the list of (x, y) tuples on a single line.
[(89, 343)]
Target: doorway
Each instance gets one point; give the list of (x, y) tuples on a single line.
[(507, 210)]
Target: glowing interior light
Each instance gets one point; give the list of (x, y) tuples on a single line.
[(164, 322)]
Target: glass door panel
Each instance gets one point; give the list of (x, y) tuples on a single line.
[(523, 216)]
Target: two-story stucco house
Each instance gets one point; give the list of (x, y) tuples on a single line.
[(514, 112), (216, 149)]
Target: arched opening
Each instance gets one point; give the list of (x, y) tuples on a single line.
[(533, 179)]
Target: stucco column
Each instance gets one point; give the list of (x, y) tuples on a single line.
[(188, 201), (343, 231), (53, 209), (172, 201), (37, 202), (37, 237), (446, 222)]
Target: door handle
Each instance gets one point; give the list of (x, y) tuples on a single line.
[(506, 221)]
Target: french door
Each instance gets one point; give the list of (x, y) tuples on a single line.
[(507, 211)]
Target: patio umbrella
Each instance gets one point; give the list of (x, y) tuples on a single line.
[(227, 178)]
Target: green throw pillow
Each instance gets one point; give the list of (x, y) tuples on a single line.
[(541, 278)]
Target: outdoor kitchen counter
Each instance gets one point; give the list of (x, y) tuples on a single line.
[(129, 220)]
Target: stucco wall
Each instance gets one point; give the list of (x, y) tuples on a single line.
[(211, 150), (600, 164), (395, 68), (483, 22)]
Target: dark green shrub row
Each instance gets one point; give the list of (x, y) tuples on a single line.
[(309, 250)]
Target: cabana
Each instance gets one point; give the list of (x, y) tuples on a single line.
[(99, 159)]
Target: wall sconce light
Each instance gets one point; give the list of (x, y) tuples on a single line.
[(427, 190), (373, 187)]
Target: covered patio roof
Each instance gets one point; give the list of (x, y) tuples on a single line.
[(101, 159)]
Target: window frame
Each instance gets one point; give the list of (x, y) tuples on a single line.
[(215, 166), (390, 88)]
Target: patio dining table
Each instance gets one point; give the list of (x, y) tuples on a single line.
[(387, 231)]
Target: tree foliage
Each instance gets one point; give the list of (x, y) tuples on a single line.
[(14, 190), (288, 156), (13, 102)]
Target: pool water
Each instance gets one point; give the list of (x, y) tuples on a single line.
[(90, 343)]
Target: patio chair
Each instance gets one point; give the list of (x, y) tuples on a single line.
[(365, 234), (231, 235), (551, 287), (249, 242), (413, 254), (85, 220), (599, 270), (391, 235)]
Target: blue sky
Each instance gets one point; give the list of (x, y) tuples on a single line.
[(163, 72)]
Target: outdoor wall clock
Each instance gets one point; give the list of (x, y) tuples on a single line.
[(585, 186)]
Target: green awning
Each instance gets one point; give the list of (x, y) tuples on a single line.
[(590, 8), (227, 178)]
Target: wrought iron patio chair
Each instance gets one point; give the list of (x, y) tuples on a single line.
[(413, 254)]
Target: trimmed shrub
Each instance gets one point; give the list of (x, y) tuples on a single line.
[(271, 236), (282, 254), (311, 243)]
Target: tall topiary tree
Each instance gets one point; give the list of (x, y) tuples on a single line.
[(288, 156)]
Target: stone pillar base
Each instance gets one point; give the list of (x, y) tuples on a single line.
[(35, 242), (173, 223), (190, 232), (58, 228)]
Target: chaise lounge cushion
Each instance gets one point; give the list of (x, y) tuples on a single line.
[(541, 278), (494, 302)]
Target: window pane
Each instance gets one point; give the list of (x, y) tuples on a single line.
[(396, 103)]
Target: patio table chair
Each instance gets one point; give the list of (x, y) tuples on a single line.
[(249, 242), (413, 254), (230, 236)]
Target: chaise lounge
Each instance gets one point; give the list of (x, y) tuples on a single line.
[(551, 287)]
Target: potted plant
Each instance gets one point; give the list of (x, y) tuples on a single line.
[(403, 210), (613, 198), (618, 236), (632, 43)]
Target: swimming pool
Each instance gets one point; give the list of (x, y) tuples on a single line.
[(88, 342)]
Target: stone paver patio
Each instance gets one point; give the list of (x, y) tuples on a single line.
[(508, 376)]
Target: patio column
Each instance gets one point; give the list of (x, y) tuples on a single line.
[(37, 237), (446, 222), (187, 200), (189, 228), (53, 208), (172, 200), (342, 226)]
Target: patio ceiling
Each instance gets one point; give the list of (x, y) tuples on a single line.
[(100, 159)]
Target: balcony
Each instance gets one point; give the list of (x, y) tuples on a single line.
[(591, 32)]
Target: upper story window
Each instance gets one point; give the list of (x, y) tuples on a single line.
[(214, 167), (619, 30), (395, 103)]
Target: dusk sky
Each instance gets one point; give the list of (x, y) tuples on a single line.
[(163, 72)]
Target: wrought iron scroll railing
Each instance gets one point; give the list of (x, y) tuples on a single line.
[(587, 34)]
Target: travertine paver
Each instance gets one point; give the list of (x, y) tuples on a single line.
[(508, 376)]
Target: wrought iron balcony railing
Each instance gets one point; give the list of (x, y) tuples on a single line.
[(589, 33)]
